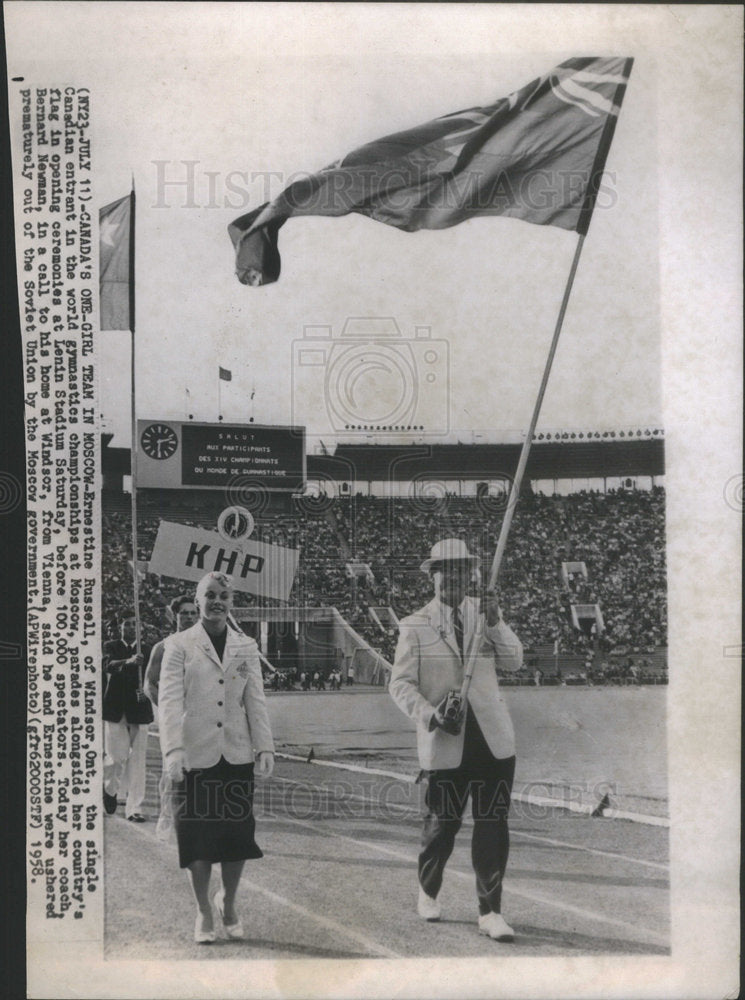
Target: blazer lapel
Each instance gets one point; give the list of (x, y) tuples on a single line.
[(205, 644), (444, 628), (471, 625), (231, 645), (236, 654)]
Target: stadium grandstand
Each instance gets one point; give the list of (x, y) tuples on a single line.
[(583, 580)]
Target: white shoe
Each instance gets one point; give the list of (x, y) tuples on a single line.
[(235, 930), (427, 907), (496, 927), (200, 936)]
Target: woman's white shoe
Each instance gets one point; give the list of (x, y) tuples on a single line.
[(200, 936), (232, 930)]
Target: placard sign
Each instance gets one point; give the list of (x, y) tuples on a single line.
[(256, 567)]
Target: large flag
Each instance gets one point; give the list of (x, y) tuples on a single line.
[(536, 155), (115, 224), (226, 375)]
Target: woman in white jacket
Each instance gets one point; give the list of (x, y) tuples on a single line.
[(213, 725)]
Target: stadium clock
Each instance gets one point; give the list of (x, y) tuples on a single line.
[(159, 441)]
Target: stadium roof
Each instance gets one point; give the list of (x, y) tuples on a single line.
[(547, 460)]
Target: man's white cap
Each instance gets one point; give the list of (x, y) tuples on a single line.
[(449, 550)]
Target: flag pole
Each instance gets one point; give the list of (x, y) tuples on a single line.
[(133, 452), (219, 395), (583, 224), (523, 461), (525, 451)]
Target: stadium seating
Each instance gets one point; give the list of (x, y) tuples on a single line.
[(619, 535)]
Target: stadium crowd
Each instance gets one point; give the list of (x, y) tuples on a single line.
[(619, 535)]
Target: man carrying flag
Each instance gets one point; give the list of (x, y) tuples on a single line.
[(466, 750), (537, 155)]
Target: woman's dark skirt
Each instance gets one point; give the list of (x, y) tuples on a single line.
[(213, 808)]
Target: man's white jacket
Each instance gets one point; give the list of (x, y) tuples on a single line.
[(428, 664), (210, 709)]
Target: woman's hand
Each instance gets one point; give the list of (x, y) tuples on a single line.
[(265, 764), (175, 765)]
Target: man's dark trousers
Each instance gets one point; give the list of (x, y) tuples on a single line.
[(489, 783)]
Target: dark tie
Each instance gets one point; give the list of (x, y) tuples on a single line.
[(458, 626)]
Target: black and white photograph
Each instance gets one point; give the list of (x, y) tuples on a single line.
[(382, 405)]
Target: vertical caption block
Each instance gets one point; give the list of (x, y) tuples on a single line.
[(57, 277)]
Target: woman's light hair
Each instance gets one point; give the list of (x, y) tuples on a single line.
[(218, 579)]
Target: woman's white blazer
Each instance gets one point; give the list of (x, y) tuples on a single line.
[(210, 709)]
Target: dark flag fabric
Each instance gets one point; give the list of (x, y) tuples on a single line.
[(226, 375), (536, 155), (115, 264)]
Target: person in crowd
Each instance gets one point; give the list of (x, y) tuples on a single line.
[(181, 612), (472, 753), (127, 713), (214, 725)]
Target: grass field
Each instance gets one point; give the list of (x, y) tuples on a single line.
[(572, 743)]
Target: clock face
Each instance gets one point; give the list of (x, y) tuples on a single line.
[(159, 441)]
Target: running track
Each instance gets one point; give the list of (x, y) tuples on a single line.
[(338, 880)]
